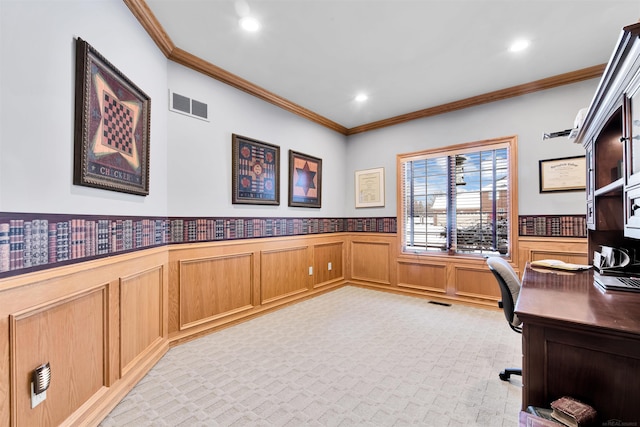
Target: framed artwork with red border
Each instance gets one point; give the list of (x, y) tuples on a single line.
[(112, 122), (255, 172), (305, 180)]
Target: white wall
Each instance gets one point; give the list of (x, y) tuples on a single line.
[(190, 161), (37, 103), (199, 180), (527, 116)]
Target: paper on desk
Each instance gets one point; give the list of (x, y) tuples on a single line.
[(559, 265)]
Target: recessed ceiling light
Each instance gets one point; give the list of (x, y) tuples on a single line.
[(519, 45), (250, 24), (361, 97)]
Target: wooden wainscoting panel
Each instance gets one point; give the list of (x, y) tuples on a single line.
[(323, 254), (370, 261), (573, 250), (141, 323), (284, 272), (215, 287), (428, 277), (476, 282), (70, 334)]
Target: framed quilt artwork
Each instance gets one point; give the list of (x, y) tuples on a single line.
[(112, 121), (305, 180), (255, 172)]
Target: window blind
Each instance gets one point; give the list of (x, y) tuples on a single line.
[(457, 202)]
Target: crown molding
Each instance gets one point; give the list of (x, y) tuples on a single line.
[(538, 85), (147, 19), (149, 22), (198, 64)]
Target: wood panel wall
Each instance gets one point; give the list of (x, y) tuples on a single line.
[(573, 250), (378, 263), (103, 324), (290, 277), (70, 336), (141, 315), (100, 325), (461, 279), (212, 286), (219, 283), (372, 258)]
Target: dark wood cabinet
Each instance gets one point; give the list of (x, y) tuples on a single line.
[(610, 135), (578, 340)]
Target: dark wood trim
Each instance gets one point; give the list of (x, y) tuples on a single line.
[(141, 11)]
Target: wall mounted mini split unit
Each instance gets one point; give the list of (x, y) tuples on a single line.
[(572, 133), (187, 106)]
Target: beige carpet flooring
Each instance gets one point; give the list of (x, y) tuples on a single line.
[(350, 357)]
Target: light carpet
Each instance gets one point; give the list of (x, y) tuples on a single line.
[(350, 357)]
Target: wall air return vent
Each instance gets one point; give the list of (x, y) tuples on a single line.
[(187, 106)]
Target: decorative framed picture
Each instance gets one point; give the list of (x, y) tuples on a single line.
[(112, 122), (370, 188), (305, 180), (255, 172), (563, 174)]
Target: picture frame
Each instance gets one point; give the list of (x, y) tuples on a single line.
[(305, 180), (112, 126), (563, 174), (255, 178), (369, 187)]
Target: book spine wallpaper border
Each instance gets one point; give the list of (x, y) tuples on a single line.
[(552, 225), (31, 242)]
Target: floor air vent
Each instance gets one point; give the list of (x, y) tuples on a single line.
[(190, 107), (446, 304)]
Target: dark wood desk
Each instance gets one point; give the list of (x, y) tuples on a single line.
[(580, 341)]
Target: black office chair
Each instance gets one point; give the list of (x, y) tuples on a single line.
[(509, 289)]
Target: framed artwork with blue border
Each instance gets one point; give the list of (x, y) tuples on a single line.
[(255, 172), (305, 180), (112, 122)]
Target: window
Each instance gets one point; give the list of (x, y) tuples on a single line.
[(459, 199)]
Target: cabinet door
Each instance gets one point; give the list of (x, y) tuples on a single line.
[(632, 213), (631, 132), (631, 137), (591, 217)]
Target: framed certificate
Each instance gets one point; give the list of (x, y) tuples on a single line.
[(563, 174), (370, 188)]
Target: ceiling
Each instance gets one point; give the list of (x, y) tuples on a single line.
[(406, 55)]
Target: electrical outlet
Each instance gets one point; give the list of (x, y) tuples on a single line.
[(329, 266), (310, 271), (37, 399)]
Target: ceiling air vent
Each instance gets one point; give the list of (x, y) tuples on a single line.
[(187, 106)]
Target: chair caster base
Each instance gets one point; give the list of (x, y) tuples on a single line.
[(506, 374)]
